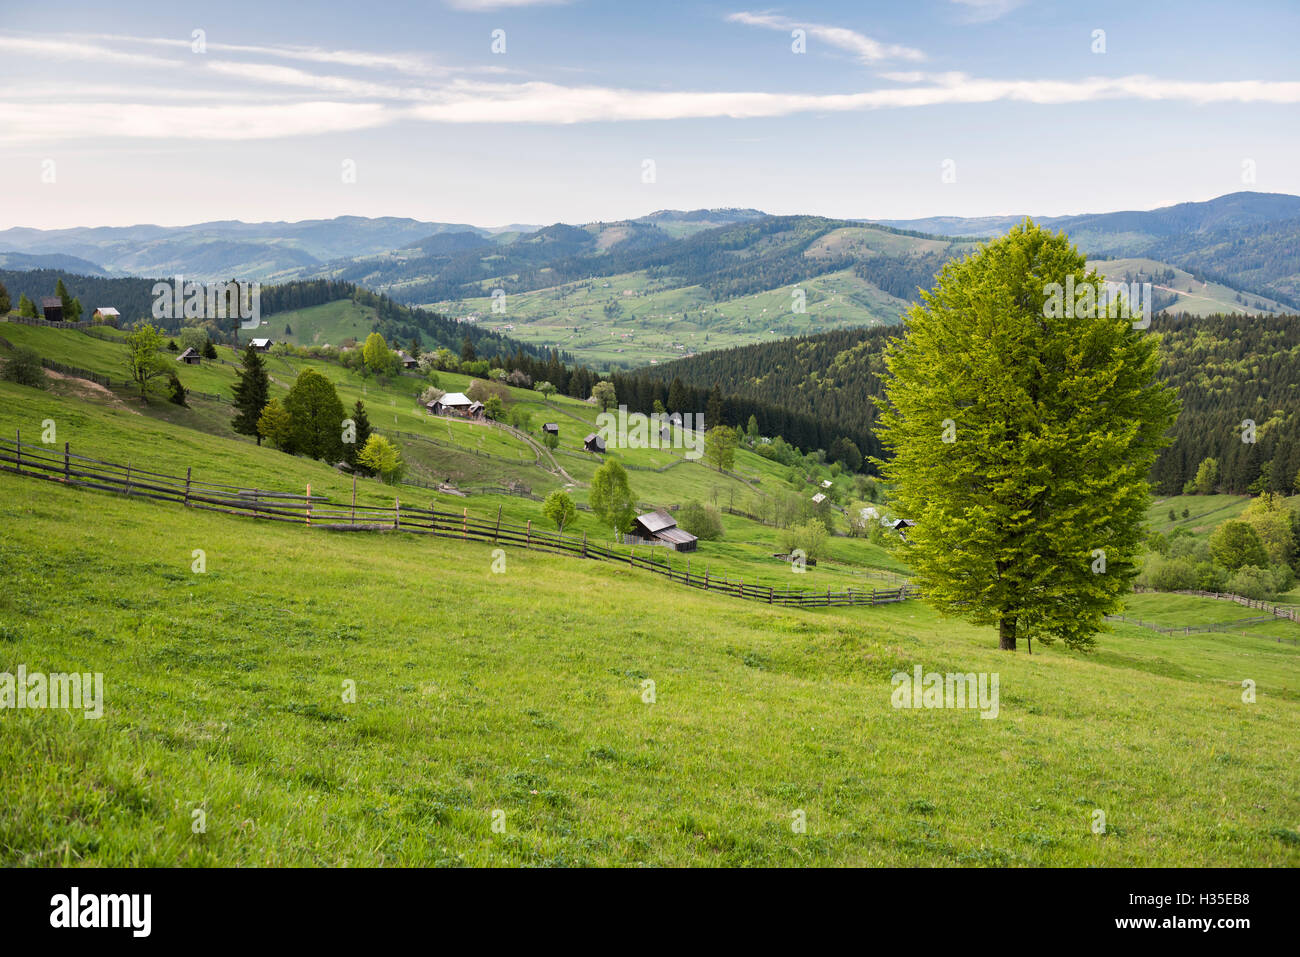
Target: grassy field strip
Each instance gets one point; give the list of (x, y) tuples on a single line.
[(523, 692)]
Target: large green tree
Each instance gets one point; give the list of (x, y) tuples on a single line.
[(1022, 442), (317, 415), (611, 498), (252, 392), (144, 359)]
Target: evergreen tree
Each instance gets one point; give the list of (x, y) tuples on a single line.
[(467, 353), (1022, 443), (361, 425), (252, 392), (26, 308), (5, 302)]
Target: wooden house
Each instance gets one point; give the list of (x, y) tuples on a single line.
[(660, 528), (52, 308), (594, 443), (190, 357)]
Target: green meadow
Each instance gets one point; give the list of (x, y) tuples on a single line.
[(522, 697), (331, 698)]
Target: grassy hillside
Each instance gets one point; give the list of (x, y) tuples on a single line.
[(1192, 296), (631, 320), (523, 692), (328, 324)]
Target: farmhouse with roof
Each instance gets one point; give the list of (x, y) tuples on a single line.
[(106, 314), (660, 528), (262, 345), (457, 404), (190, 357)]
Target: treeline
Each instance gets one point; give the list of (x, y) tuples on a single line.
[(1239, 381), (133, 298)]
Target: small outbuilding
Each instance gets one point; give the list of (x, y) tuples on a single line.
[(262, 345), (551, 428), (408, 361), (190, 357), (594, 443), (52, 308), (819, 498), (106, 314), (660, 528)]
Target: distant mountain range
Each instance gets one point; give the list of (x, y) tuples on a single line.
[(678, 282)]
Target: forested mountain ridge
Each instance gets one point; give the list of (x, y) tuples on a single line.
[(1230, 371)]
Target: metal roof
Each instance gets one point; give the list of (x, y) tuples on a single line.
[(454, 398), (656, 521)]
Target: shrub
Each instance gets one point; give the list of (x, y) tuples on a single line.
[(702, 521), (1251, 581), (1170, 574), (24, 367)]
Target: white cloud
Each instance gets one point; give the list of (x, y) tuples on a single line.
[(861, 46), (412, 63), (62, 49), (33, 122), (216, 98), (981, 11)]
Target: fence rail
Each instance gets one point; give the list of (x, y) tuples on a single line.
[(43, 461), (1277, 611)]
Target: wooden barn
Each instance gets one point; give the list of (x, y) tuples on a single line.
[(408, 361), (551, 428), (594, 443), (660, 528), (262, 345), (190, 357), (901, 527), (106, 314), (52, 308)]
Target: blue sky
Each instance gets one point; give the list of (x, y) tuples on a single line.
[(110, 117)]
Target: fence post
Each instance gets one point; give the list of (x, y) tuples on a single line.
[(584, 544), (397, 513), (464, 523), (128, 478), (309, 504), (187, 484), (18, 441), (529, 542), (354, 498), (496, 534), (769, 594)]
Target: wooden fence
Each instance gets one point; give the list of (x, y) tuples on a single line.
[(1227, 627), (1277, 611), (46, 462)]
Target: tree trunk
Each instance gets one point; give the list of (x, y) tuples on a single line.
[(1007, 634)]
